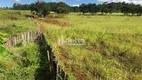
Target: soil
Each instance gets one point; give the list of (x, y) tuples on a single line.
[(55, 22)]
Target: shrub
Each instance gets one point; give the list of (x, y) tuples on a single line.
[(61, 10)]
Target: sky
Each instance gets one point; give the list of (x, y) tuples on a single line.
[(9, 3)]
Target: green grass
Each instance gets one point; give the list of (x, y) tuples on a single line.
[(21, 64), (112, 47), (14, 22), (112, 50), (18, 63)]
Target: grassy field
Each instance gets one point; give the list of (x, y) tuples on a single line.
[(112, 48), (15, 22), (17, 63), (22, 64)]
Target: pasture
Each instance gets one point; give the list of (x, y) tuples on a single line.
[(112, 49), (14, 22)]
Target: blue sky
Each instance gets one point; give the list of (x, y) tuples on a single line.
[(9, 3)]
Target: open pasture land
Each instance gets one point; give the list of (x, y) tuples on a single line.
[(111, 47), (14, 22), (112, 50)]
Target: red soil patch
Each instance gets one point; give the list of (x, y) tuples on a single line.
[(41, 28), (55, 22)]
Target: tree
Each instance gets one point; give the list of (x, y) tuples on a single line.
[(104, 8), (92, 8), (132, 8), (84, 8), (75, 9), (62, 8), (41, 8), (125, 9), (139, 10)]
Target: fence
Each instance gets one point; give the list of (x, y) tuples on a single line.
[(27, 36), (57, 72)]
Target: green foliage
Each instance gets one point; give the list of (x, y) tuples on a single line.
[(21, 62), (62, 10), (1, 14), (3, 50), (71, 77), (21, 65), (106, 8), (41, 8)]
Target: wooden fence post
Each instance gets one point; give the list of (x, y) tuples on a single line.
[(57, 67), (15, 41), (28, 37), (22, 36), (11, 41), (34, 35), (53, 66), (48, 55), (65, 75)]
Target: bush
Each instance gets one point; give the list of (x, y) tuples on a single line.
[(61, 10), (20, 66)]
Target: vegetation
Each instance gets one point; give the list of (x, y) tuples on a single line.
[(112, 47), (15, 22), (111, 51), (43, 8), (110, 8), (22, 61), (21, 64), (4, 52)]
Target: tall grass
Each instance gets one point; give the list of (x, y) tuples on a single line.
[(14, 22), (21, 64), (112, 50)]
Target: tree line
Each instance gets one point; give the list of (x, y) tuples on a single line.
[(92, 8), (109, 8), (43, 7)]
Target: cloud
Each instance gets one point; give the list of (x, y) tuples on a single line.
[(127, 1), (17, 0), (75, 5)]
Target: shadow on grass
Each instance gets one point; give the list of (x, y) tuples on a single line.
[(43, 72)]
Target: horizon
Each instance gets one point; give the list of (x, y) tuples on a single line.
[(9, 3)]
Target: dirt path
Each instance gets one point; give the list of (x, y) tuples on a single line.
[(39, 24), (42, 24)]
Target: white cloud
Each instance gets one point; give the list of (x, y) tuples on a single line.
[(17, 0), (75, 5), (127, 1)]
